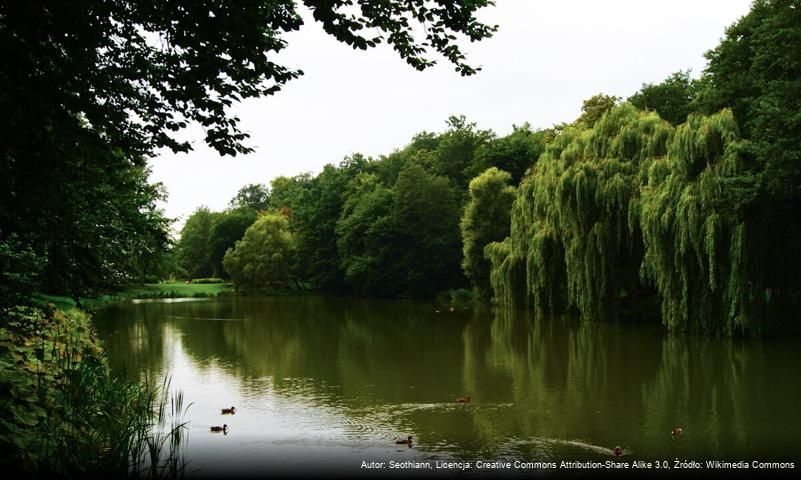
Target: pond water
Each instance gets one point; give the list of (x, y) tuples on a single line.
[(321, 384)]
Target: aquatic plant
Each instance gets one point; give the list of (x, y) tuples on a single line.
[(66, 413)]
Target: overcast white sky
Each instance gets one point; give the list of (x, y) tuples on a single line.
[(546, 57)]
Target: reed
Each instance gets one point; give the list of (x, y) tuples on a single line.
[(68, 415)]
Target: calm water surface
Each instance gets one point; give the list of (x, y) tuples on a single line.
[(324, 383)]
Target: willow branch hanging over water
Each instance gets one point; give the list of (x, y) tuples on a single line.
[(693, 222), (617, 208)]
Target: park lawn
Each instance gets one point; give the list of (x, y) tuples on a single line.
[(148, 290), (178, 289)]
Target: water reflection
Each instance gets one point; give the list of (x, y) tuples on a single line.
[(317, 378)]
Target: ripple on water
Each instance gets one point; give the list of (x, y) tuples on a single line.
[(553, 447)]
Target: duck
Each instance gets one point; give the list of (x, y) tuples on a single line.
[(463, 399), (676, 431), (223, 429), (229, 411), (404, 441), (617, 451)]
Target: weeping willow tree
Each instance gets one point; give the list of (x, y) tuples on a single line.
[(506, 273), (629, 204), (571, 220), (692, 213)]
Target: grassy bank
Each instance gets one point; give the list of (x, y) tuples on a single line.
[(64, 414), (148, 290)]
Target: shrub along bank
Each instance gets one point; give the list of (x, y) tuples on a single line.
[(65, 414)]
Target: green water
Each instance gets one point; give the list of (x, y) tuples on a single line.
[(325, 383)]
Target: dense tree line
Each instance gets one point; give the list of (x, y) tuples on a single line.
[(696, 199), (687, 193), (388, 226)]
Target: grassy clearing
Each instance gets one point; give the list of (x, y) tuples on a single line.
[(180, 289), (148, 290)]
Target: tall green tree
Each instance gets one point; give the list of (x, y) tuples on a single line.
[(263, 258), (290, 194), (317, 261), (673, 99), (254, 196), (426, 215), (194, 251), (455, 152), (226, 229), (515, 153), (367, 238), (596, 107), (486, 219), (755, 71)]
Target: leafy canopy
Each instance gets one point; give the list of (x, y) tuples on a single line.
[(137, 71), (254, 197), (486, 219), (672, 99), (263, 258)]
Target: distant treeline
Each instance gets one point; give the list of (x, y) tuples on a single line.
[(689, 192), (380, 227)]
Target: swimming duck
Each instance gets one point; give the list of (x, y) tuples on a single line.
[(223, 429), (676, 431), (404, 441), (463, 399), (229, 411), (617, 451)]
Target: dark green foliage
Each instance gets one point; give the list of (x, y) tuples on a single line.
[(366, 238), (395, 22), (205, 281), (254, 197), (263, 258), (672, 99), (315, 223), (104, 229), (193, 247), (400, 241), (99, 60), (486, 219), (290, 193), (596, 107), (226, 229), (514, 153), (91, 89), (86, 209), (19, 269), (388, 227), (65, 415), (755, 71), (426, 214), (456, 150)]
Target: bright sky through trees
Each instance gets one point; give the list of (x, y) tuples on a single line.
[(544, 60)]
